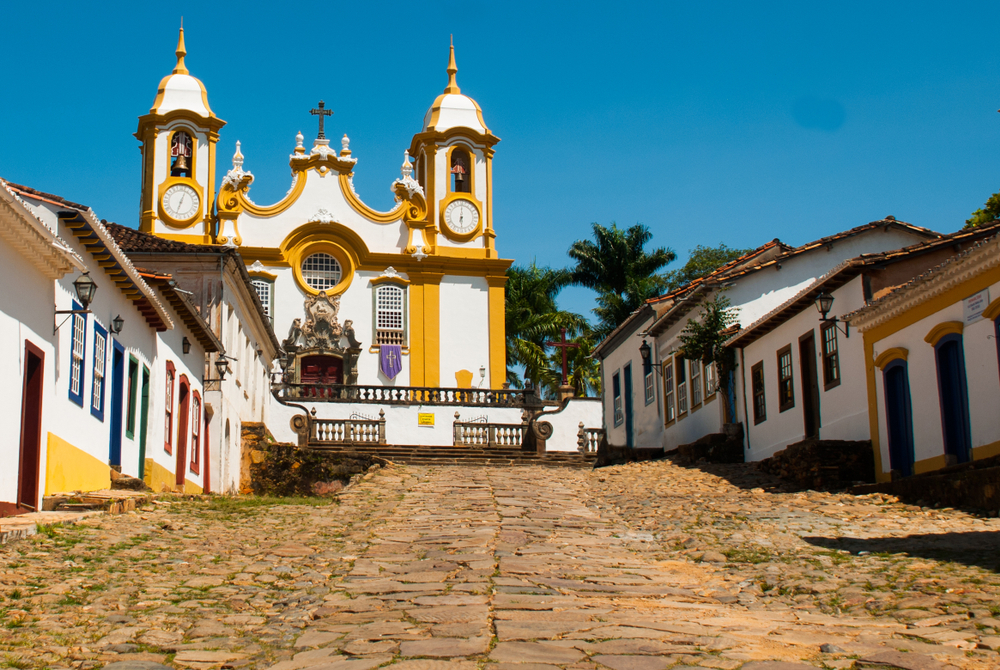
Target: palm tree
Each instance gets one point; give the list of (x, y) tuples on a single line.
[(584, 372), (532, 318), (617, 266)]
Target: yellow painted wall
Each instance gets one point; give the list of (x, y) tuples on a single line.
[(69, 468), (161, 479)]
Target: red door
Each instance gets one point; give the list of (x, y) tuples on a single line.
[(183, 416), (31, 427), (322, 370)]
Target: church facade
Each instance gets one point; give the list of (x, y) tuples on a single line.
[(416, 294)]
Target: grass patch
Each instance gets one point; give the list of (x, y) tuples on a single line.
[(747, 555), (253, 504)]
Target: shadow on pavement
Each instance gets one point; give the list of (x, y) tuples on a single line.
[(977, 548)]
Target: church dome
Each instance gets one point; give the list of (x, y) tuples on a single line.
[(180, 91), (451, 109)]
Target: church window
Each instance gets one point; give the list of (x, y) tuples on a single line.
[(786, 389), (616, 385), (460, 177), (265, 291), (757, 384), (76, 356), (195, 432), (321, 271), (390, 315), (97, 392), (180, 154), (682, 388), (831, 359), (695, 384), (669, 411), (168, 428), (133, 390)]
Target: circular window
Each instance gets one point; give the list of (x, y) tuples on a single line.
[(321, 271)]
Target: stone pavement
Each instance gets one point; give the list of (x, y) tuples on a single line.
[(641, 567)]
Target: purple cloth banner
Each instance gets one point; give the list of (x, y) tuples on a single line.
[(390, 359)]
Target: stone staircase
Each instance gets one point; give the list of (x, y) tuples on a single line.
[(507, 456)]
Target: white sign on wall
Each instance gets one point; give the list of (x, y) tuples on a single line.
[(975, 305)]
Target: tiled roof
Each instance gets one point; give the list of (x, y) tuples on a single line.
[(133, 240)]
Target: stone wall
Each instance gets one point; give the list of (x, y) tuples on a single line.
[(970, 485), (823, 464), (287, 470), (726, 447)]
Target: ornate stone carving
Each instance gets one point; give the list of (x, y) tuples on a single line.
[(322, 216), (321, 334)]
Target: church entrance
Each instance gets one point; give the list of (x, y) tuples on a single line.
[(322, 370), (117, 400), (31, 427), (183, 414)]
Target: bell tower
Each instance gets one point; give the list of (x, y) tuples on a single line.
[(178, 138)]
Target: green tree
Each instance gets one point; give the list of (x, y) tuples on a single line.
[(989, 212), (702, 339), (702, 261), (584, 372), (618, 267), (532, 318)]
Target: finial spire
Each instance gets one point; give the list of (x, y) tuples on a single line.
[(452, 86), (180, 68)]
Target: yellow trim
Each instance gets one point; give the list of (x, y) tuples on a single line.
[(393, 215), (992, 311), (456, 236), (942, 329), (471, 154), (262, 275), (890, 355), (161, 211), (184, 237), (278, 207), (347, 265), (69, 468), (193, 134), (498, 333), (375, 281), (425, 329), (416, 299), (986, 451), (161, 479), (929, 464)]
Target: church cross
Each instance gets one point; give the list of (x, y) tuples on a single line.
[(564, 345), (321, 111)]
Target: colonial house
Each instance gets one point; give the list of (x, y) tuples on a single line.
[(803, 366), (216, 280), (690, 405), (931, 349), (89, 401)]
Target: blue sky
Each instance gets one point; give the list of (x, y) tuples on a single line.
[(709, 122)]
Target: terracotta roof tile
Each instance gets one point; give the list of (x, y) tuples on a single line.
[(131, 240)]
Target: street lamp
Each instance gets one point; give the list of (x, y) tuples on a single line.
[(117, 324), (186, 345), (85, 288), (824, 303)]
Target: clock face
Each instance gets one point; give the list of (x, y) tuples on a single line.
[(461, 216), (181, 202)]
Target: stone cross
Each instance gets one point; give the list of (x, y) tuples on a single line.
[(321, 111), (564, 345)]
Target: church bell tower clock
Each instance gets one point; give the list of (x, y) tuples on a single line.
[(178, 138)]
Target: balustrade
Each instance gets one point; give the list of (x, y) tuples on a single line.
[(588, 439), (406, 395), (475, 434), (347, 431)]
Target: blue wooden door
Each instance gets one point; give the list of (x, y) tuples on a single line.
[(899, 421), (954, 397), (117, 400), (629, 442)]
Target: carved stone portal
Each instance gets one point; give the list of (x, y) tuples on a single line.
[(314, 350)]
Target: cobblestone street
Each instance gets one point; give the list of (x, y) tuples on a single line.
[(639, 567)]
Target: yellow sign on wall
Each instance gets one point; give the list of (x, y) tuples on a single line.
[(425, 419)]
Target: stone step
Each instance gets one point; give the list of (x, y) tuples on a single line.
[(443, 455)]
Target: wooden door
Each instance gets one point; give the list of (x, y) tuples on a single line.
[(31, 427), (627, 391), (810, 385), (117, 405), (143, 420), (954, 396), (899, 422), (183, 418)]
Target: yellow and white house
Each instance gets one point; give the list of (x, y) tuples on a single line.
[(424, 276), (933, 365)]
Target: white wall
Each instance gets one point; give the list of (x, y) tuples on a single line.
[(843, 408), (982, 377), (566, 424), (647, 420), (464, 329)]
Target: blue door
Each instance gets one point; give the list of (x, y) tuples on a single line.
[(899, 421), (117, 400), (629, 442), (954, 397)]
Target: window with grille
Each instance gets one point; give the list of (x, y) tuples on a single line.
[(76, 357), (264, 292), (97, 390), (682, 397), (831, 357), (390, 315), (786, 389), (616, 386), (757, 383), (321, 271), (695, 384), (669, 411)]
